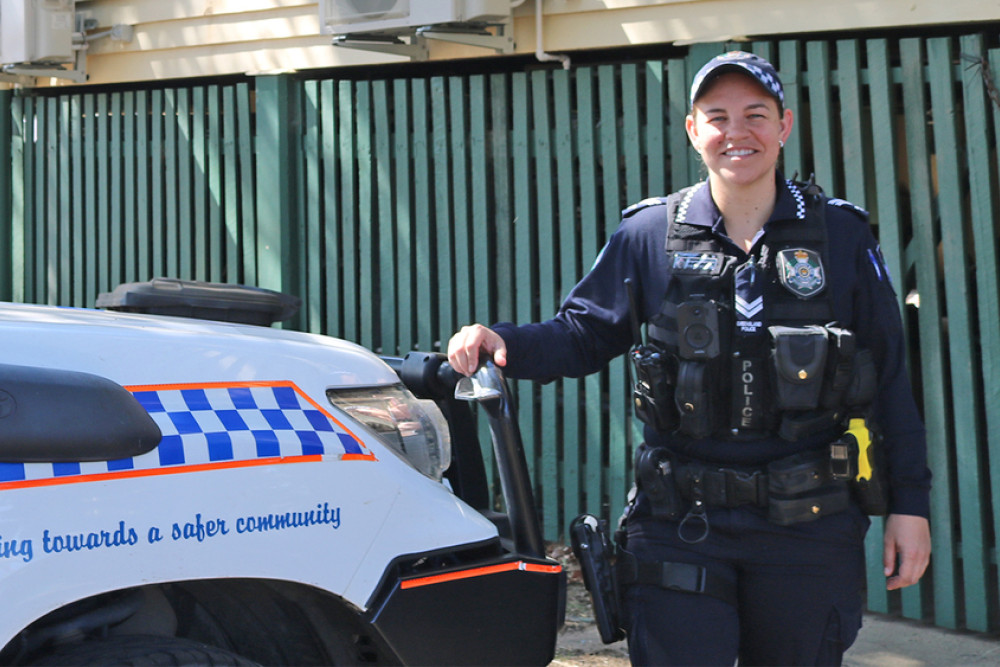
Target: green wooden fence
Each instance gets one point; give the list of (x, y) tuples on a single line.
[(400, 209)]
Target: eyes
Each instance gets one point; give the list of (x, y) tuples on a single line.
[(753, 117)]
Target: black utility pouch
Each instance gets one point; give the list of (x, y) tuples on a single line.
[(654, 471), (592, 548), (798, 361), (693, 401), (653, 391)]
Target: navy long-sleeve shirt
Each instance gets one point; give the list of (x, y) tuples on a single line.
[(593, 326)]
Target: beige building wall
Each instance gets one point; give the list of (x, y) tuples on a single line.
[(189, 38)]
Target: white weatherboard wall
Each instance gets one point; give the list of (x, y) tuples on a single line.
[(186, 38)]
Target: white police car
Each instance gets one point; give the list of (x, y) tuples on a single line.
[(184, 491)]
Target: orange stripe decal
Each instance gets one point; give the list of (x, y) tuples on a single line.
[(480, 572)]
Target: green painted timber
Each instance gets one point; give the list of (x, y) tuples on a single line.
[(402, 208)]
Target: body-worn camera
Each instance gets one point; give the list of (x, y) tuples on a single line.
[(698, 328)]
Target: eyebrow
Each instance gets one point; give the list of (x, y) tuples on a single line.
[(755, 105)]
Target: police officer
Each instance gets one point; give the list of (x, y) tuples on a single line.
[(770, 320)]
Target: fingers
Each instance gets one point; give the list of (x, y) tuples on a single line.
[(466, 347), (907, 539)]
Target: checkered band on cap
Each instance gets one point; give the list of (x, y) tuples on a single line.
[(739, 61)]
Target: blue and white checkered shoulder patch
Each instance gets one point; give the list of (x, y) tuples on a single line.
[(217, 426)]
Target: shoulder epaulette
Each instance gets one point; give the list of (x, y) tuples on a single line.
[(645, 203), (844, 204)]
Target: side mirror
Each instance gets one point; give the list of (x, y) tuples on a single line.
[(52, 415)]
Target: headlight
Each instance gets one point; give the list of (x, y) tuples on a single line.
[(413, 428)]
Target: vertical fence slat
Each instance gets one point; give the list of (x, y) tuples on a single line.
[(403, 213), (930, 312), (366, 229), (52, 201), (230, 187), (611, 190), (385, 255), (74, 194), (129, 216), (458, 149), (332, 265), (524, 247), (591, 240), (821, 127), (213, 181), (655, 127), (544, 448), (441, 174), (792, 155), (156, 203), (104, 278), (312, 297), (852, 136), (247, 209), (348, 219), (19, 175), (422, 229), (681, 173), (171, 222), (483, 259), (568, 273), (140, 209), (90, 194)]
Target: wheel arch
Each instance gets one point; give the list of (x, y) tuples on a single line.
[(254, 618)]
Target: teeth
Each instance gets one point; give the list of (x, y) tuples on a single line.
[(739, 153)]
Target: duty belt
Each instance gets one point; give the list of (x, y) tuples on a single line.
[(798, 488)]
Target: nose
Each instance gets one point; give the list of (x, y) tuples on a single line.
[(736, 128)]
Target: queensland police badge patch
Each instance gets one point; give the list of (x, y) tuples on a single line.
[(801, 272)]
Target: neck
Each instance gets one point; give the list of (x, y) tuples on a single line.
[(744, 209)]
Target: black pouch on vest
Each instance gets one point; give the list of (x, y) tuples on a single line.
[(864, 380), (693, 399), (653, 391), (798, 359)]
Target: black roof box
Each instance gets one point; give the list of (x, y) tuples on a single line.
[(202, 300)]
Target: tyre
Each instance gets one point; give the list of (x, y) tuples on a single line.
[(140, 651)]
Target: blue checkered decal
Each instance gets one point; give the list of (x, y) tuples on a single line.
[(218, 424)]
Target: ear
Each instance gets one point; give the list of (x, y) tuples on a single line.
[(786, 124), (692, 132)]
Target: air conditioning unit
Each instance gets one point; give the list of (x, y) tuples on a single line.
[(36, 31), (342, 17)]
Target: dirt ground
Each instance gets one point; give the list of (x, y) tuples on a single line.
[(579, 643)]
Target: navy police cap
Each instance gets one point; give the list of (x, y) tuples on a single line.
[(739, 61)]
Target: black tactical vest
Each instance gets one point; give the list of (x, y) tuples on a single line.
[(751, 347)]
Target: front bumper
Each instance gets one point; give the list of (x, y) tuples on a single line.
[(501, 611)]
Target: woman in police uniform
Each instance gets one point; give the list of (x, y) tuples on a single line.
[(771, 320)]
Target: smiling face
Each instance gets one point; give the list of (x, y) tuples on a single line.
[(738, 129)]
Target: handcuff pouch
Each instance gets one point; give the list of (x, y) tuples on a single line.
[(798, 356)]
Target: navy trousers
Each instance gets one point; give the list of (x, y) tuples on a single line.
[(799, 588)]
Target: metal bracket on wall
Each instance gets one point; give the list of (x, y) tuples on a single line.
[(416, 48), (469, 34)]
